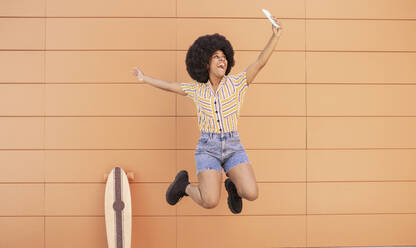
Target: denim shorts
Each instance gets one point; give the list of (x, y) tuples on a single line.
[(217, 151)]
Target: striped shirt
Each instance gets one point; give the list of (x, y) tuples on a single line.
[(218, 112)]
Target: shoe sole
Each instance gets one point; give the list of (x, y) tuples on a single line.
[(171, 186), (228, 188)]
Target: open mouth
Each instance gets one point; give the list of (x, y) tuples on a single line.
[(221, 67)]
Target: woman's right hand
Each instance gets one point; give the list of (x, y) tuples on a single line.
[(138, 73), (276, 31)]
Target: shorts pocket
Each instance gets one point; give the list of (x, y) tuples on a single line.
[(203, 140), (234, 144), (202, 144)]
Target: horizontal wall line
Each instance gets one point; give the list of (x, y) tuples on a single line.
[(87, 116), (210, 215), (358, 214), (134, 83), (362, 148), (130, 50), (360, 51), (372, 84), (134, 182), (194, 116), (320, 116), (158, 17), (359, 19), (194, 181), (358, 246), (183, 50), (254, 83), (215, 17), (247, 149), (361, 116), (21, 216), (20, 83), (151, 216), (365, 181)]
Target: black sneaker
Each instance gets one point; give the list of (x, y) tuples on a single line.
[(234, 200), (177, 189)]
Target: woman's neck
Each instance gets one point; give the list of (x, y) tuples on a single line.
[(215, 81)]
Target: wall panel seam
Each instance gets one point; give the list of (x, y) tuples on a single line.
[(44, 125), (306, 126)]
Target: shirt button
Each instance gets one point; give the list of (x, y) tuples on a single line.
[(220, 129), (218, 120), (215, 102), (216, 111)]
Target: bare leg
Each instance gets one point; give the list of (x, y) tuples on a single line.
[(242, 176), (207, 192)]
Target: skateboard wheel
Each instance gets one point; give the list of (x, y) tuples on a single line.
[(118, 206)]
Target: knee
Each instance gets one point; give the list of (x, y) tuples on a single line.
[(250, 194), (210, 202)]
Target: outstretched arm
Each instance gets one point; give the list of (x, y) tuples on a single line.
[(172, 87), (261, 61)]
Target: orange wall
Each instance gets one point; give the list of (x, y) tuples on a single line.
[(329, 124)]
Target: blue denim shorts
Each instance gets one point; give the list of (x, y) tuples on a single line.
[(217, 151)]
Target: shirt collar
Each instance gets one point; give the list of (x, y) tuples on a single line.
[(219, 85)]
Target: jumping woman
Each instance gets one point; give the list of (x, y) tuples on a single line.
[(218, 99)]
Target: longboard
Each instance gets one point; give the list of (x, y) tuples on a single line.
[(118, 209)]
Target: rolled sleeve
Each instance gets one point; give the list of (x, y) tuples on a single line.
[(240, 82), (190, 89)]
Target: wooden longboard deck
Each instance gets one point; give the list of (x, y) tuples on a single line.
[(118, 209)]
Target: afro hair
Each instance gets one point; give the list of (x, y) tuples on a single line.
[(200, 52)]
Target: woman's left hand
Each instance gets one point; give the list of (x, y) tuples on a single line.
[(276, 31)]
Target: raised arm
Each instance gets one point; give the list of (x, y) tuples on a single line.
[(172, 87), (261, 61)]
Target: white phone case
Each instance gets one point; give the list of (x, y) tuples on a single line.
[(267, 13)]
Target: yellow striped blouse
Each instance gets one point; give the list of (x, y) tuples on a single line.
[(218, 112)]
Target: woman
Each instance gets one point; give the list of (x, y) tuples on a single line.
[(218, 98)]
